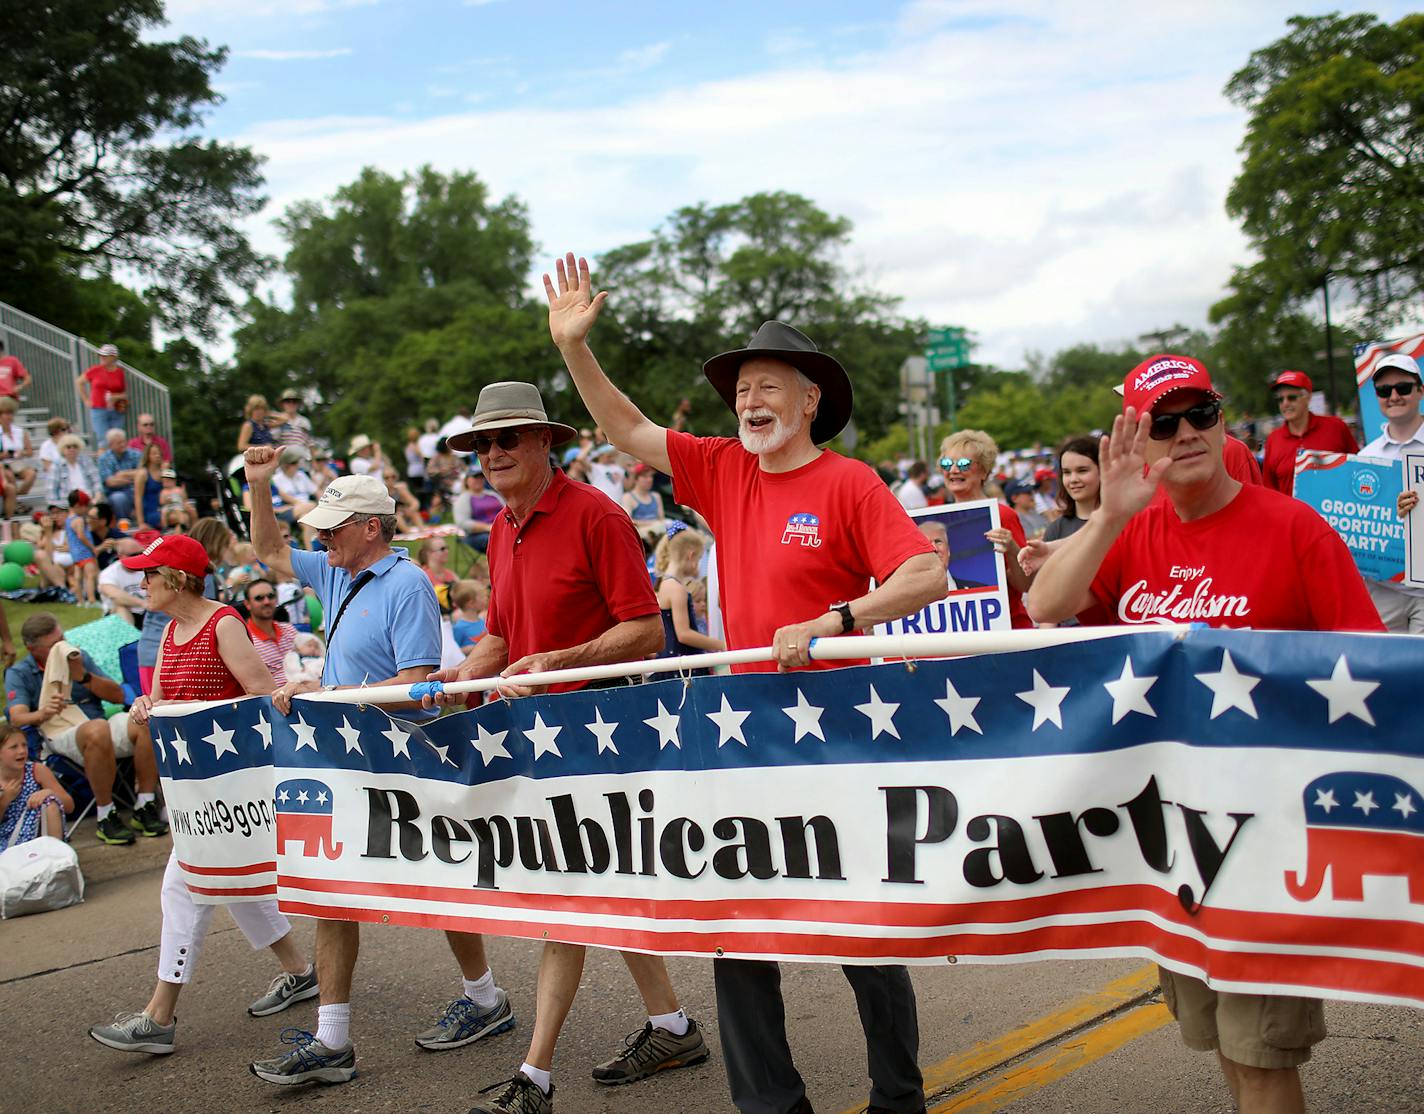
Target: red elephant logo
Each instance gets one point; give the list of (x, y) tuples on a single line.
[(304, 815), (1360, 825)]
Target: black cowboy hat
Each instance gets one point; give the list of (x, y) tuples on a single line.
[(777, 341)]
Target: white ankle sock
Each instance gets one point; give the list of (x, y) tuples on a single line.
[(104, 810), (146, 799), (675, 1023), (481, 991), (537, 1076), (333, 1025)]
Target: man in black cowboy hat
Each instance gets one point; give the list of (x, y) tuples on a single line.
[(800, 533)]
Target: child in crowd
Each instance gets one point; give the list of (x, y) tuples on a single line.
[(84, 578), (469, 599), (682, 554), (306, 659), (245, 566), (31, 800)]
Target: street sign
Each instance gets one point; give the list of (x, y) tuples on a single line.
[(948, 351)]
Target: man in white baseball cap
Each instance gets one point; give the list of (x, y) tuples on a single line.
[(382, 628), (1399, 388)]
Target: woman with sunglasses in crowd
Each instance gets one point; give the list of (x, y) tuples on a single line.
[(207, 654), (966, 459)]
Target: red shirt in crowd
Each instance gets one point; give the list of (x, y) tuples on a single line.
[(1322, 431), (1297, 575), (572, 570), (195, 670), (12, 375), (1018, 613), (140, 443), (789, 544), (272, 649), (103, 382)]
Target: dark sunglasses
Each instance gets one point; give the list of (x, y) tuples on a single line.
[(1204, 415), (508, 441), (963, 463), (260, 599), (1403, 390)]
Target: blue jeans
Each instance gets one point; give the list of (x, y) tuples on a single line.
[(121, 499), (104, 420)]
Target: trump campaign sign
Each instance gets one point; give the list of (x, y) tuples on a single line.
[(1243, 806)]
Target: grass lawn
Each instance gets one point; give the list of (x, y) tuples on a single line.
[(68, 614)]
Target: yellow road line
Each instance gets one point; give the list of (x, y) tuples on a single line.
[(1035, 1073), (989, 1054)]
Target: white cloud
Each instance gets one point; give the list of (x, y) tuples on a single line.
[(1043, 174), (294, 55)]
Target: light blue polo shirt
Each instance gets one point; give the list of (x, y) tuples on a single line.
[(392, 624)]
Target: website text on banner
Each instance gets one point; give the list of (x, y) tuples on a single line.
[(1357, 496), (1244, 805)]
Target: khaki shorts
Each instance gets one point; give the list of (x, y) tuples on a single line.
[(68, 745), (1257, 1030)]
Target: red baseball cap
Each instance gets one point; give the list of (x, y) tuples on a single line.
[(147, 536), (1160, 375), (1292, 379), (172, 551)]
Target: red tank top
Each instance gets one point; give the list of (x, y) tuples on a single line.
[(195, 670)]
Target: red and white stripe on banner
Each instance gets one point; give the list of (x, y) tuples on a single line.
[(250, 881), (1365, 362)]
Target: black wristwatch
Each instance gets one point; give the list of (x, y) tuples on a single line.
[(847, 619)]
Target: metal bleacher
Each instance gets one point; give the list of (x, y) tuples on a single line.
[(54, 359)]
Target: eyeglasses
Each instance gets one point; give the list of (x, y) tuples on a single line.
[(1202, 416), (260, 599), (145, 423), (1403, 390), (326, 535), (149, 572), (1289, 396), (963, 463), (508, 441)]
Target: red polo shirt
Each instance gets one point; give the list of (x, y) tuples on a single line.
[(572, 570), (1323, 432)]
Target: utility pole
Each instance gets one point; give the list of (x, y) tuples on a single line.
[(1329, 347)]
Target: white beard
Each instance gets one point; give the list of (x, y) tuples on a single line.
[(771, 440)]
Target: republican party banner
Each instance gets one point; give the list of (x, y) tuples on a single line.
[(1241, 805), (975, 597), (1357, 495)]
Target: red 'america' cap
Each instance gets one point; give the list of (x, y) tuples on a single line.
[(1160, 375)]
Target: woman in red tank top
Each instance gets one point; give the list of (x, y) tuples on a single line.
[(206, 654)]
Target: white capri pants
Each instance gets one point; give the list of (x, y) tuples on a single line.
[(185, 925)]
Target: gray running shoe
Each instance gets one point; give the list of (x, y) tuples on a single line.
[(650, 1051), (464, 1023), (309, 1061), (286, 990), (136, 1032), (520, 1096)]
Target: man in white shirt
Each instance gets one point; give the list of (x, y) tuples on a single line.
[(911, 493), (1399, 387), (460, 423)]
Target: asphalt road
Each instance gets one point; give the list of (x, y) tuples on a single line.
[(1054, 1037)]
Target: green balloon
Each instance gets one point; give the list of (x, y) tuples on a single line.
[(19, 553), (12, 576), (313, 611)]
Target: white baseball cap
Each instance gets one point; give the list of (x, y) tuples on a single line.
[(348, 496)]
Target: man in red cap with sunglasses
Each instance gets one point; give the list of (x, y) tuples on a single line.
[(1180, 560), (1300, 430)]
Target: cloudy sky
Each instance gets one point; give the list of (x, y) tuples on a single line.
[(1041, 172)]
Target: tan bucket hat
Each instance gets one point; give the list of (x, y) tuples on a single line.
[(507, 406)]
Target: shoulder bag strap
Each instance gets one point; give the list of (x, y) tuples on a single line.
[(361, 582)]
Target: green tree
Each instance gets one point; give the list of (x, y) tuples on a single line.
[(409, 294), (711, 274), (1332, 180), (102, 171)]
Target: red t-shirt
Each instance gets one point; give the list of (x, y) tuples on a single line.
[(789, 544), (195, 670), (1322, 431), (572, 570), (12, 372), (103, 382), (1264, 561), (1018, 614)]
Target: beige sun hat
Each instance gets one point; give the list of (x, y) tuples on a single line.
[(507, 406)]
